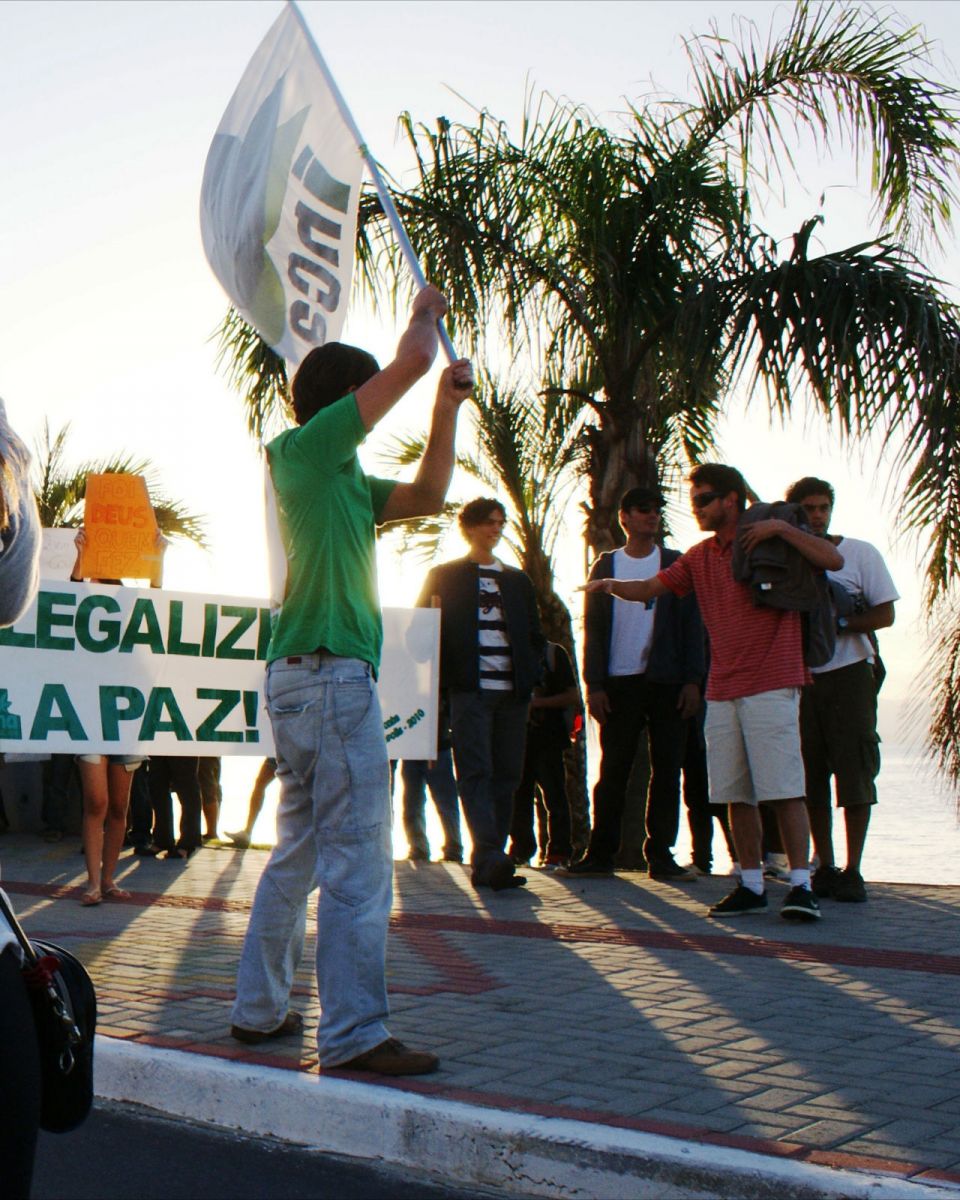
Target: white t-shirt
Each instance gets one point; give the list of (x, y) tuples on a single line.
[(632, 633), (496, 656), (865, 573)]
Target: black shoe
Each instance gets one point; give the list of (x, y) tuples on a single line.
[(418, 856), (670, 871), (850, 888), (146, 850), (504, 876), (801, 905), (740, 903), (824, 880), (586, 867), (455, 857)]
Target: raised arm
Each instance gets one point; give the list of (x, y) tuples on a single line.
[(425, 494), (819, 551), (415, 354)]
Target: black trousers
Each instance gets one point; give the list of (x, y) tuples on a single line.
[(175, 773), (543, 769), (696, 796), (636, 704), (19, 1082)]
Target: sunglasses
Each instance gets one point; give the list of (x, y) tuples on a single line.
[(703, 499)]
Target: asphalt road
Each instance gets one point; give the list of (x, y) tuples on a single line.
[(129, 1153)]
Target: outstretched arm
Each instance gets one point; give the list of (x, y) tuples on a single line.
[(425, 495), (820, 552), (415, 354), (640, 590)]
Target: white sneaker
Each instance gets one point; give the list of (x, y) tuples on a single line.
[(776, 866), (692, 869)]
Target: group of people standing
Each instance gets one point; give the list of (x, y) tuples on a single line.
[(676, 649)]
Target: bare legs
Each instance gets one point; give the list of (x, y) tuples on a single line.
[(791, 821), (857, 821), (106, 796)]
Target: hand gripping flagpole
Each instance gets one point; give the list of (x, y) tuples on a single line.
[(383, 192)]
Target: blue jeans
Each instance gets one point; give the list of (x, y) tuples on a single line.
[(333, 833), (417, 775)]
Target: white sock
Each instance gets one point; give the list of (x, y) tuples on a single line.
[(800, 877), (752, 878)]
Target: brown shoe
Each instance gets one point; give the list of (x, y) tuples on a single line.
[(392, 1058), (291, 1024)]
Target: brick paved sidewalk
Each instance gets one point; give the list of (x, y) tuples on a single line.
[(608, 1001)]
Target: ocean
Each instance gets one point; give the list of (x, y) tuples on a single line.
[(914, 831)]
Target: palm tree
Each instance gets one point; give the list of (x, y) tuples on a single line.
[(630, 267), (60, 489), (528, 452)]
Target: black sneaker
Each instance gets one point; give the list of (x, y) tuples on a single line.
[(850, 888), (586, 867), (670, 871), (740, 903), (801, 905), (504, 876), (824, 880)]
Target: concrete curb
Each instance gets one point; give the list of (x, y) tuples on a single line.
[(538, 1156)]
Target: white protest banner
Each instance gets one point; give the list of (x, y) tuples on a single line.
[(93, 668), (281, 185)]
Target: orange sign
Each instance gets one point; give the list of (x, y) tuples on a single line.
[(121, 530)]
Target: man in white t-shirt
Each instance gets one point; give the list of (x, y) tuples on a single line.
[(838, 711), (643, 665)]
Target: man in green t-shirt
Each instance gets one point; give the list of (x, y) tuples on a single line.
[(334, 821)]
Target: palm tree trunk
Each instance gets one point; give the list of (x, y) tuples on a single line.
[(620, 457)]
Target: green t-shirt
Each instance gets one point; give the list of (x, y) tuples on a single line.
[(328, 509)]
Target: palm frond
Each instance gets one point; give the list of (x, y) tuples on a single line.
[(872, 338), (60, 489), (850, 75), (256, 371)]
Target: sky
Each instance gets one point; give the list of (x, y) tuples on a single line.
[(107, 304)]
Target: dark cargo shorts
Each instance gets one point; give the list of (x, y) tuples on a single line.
[(838, 735)]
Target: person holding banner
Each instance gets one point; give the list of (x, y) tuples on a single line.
[(334, 819), (105, 781)]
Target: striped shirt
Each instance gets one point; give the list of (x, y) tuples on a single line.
[(752, 649), (496, 657)]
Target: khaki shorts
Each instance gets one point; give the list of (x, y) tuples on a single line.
[(753, 748)]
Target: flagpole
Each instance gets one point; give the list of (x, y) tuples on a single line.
[(383, 192)]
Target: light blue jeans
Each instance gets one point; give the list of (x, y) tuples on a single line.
[(418, 775), (333, 833)]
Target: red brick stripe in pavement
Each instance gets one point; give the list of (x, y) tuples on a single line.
[(410, 924)]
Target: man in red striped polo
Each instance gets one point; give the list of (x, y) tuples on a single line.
[(753, 690)]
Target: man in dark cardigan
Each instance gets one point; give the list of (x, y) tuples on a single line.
[(491, 657)]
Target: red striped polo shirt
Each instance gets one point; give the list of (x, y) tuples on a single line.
[(752, 649)]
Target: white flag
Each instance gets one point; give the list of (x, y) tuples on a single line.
[(281, 185)]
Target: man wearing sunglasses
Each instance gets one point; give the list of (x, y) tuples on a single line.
[(643, 666), (753, 691)]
